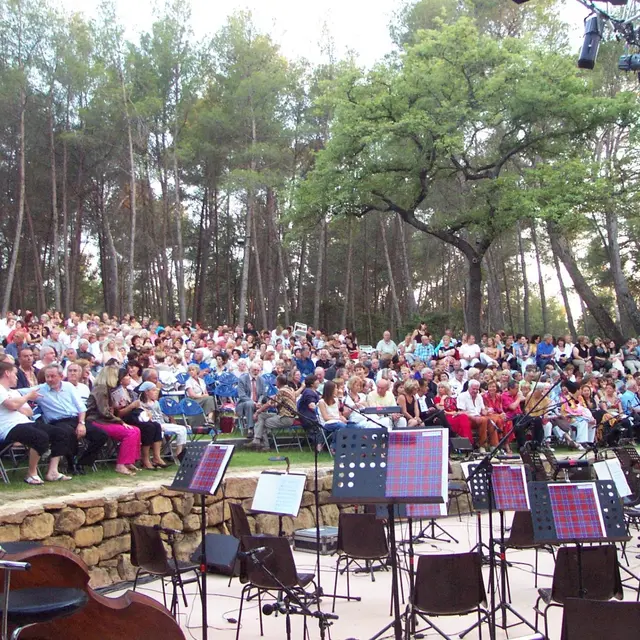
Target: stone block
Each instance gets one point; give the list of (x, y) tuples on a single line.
[(326, 483), (310, 483), (99, 577), (67, 542), (9, 532), (305, 520), (216, 515), (37, 527), (186, 545), (94, 514), (147, 520), (109, 564), (329, 514), (126, 570), (110, 509), (324, 497), (160, 504), (307, 499), (88, 536), (19, 516), (252, 525), (88, 503), (171, 521), (69, 520), (147, 494), (53, 506), (91, 556), (114, 546), (267, 523), (132, 508), (241, 487), (182, 505), (113, 528), (171, 493), (191, 522)]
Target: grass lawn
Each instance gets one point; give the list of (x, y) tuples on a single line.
[(106, 477)]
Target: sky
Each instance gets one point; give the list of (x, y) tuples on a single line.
[(297, 25)]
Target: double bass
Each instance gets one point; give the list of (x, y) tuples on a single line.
[(132, 615)]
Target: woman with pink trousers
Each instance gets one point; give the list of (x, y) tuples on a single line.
[(100, 414)]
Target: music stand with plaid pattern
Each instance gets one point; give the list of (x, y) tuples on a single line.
[(201, 472)]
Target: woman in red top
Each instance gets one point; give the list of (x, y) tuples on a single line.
[(460, 422), (493, 404)]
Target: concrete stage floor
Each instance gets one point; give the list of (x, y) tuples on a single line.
[(362, 620)]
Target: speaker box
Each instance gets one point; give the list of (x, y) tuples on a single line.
[(222, 552)]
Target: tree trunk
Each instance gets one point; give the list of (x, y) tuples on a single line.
[(319, 271), (408, 280), (110, 259), (629, 313), (543, 297), (596, 308), (132, 203), (182, 300), (473, 301), (258, 268), (20, 214), (303, 257), (54, 209), (41, 303), (565, 296), (65, 216), (392, 284), (347, 277), (525, 284), (496, 317)]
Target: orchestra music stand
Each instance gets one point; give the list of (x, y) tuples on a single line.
[(201, 472), (279, 493), (509, 493), (373, 466), (577, 513)]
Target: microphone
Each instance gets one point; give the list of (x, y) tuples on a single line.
[(252, 553), (276, 607), (167, 530)]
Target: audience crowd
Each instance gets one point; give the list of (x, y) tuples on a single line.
[(67, 385)]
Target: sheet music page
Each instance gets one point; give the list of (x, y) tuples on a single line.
[(612, 470), (211, 468), (576, 511), (279, 493), (510, 488)]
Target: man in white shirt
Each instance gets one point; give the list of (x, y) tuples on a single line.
[(471, 403), (387, 349), (381, 396)]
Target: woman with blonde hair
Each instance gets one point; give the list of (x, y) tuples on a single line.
[(460, 422), (408, 402), (100, 414), (110, 351)]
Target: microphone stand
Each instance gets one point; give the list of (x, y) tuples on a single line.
[(291, 596)]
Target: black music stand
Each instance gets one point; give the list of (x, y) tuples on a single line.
[(577, 513), (509, 489), (478, 483), (366, 471), (201, 472), (279, 493)]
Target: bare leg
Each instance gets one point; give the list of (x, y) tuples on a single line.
[(146, 462), (34, 458), (157, 456)]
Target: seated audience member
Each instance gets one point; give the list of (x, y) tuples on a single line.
[(355, 401), (512, 401), (329, 414), (429, 413), (406, 348), (408, 403), (631, 406), (308, 402), (130, 411), (581, 353), (47, 357), (490, 355), (470, 402), (563, 353), (196, 389), (251, 394), (304, 363), (16, 425), (27, 376), (446, 353), (74, 376), (469, 352), (424, 351), (493, 404), (382, 396), (16, 344), (61, 406), (387, 349), (459, 422), (149, 394), (285, 405), (101, 415), (544, 352), (578, 416), (631, 360)]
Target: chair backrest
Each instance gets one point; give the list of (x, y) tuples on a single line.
[(182, 378), (148, 551), (361, 535), (521, 534), (239, 522), (270, 384), (532, 459), (449, 584), (169, 406), (278, 559), (600, 574), (593, 620), (228, 379), (189, 407), (210, 380), (225, 390)]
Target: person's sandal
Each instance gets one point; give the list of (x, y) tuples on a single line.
[(34, 480)]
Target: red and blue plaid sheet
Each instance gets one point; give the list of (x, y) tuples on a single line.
[(414, 465), (208, 469), (576, 511), (509, 488)]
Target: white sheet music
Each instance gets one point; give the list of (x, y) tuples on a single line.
[(279, 493), (611, 470)]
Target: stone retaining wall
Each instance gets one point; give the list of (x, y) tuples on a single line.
[(98, 528)]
